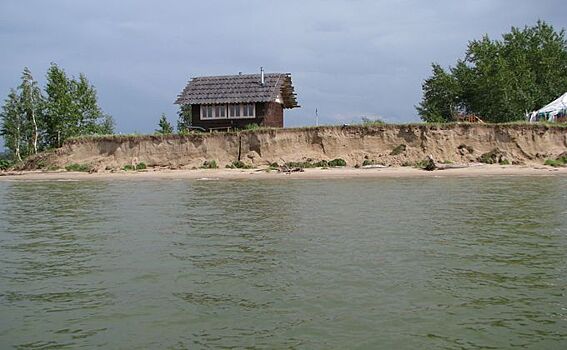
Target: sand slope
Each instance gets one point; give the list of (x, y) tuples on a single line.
[(457, 143)]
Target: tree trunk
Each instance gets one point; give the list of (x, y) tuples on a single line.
[(17, 145), (34, 134)]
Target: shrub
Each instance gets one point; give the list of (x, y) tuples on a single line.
[(468, 148), (252, 126), (138, 166), (320, 164), (426, 164), (493, 157), (210, 164), (398, 150), (337, 162), (78, 167), (5, 164), (559, 162), (237, 164), (302, 165), (372, 122)]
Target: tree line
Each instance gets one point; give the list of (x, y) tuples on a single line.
[(33, 119), (500, 80)]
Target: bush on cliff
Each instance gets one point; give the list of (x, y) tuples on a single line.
[(5, 164), (237, 164), (210, 164), (558, 162), (78, 167)]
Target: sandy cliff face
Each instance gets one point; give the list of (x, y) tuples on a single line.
[(455, 143)]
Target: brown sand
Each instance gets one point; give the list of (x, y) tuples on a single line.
[(333, 173)]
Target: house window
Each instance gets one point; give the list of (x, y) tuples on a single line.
[(234, 111), (213, 111), (248, 110), (242, 111), (220, 111)]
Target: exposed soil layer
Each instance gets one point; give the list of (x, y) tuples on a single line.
[(392, 145)]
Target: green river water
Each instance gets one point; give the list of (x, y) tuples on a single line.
[(412, 263)]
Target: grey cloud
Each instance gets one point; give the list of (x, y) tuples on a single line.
[(348, 58)]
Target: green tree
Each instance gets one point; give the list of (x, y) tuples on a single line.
[(185, 119), (165, 127), (71, 108), (500, 80), (31, 102), (90, 119), (440, 96), (12, 125), (59, 108)]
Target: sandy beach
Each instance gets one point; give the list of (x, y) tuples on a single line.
[(318, 173)]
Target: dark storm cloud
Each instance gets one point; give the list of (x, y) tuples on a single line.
[(348, 58)]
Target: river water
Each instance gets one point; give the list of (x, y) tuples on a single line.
[(413, 263)]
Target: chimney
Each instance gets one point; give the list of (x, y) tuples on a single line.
[(263, 80)]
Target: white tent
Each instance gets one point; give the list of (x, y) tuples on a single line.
[(550, 111)]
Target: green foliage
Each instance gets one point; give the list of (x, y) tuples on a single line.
[(440, 96), (185, 119), (165, 127), (31, 104), (78, 167), (555, 163), (398, 150), (500, 80), (31, 122), (131, 167), (320, 164), (427, 164), (558, 162), (210, 164), (71, 108), (13, 126), (337, 162), (237, 164), (252, 126), (5, 164), (302, 165), (493, 157), (372, 122)]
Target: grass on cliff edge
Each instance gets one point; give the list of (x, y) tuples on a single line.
[(135, 136)]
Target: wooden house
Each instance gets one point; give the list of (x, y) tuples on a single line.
[(235, 101)]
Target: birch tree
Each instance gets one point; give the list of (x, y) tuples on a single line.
[(12, 125), (31, 102)]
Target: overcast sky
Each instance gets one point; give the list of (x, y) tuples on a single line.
[(347, 58)]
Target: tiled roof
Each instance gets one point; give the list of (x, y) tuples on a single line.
[(242, 88)]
